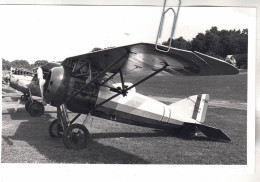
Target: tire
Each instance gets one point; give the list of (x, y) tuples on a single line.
[(76, 136), (27, 104), (36, 109), (55, 129)]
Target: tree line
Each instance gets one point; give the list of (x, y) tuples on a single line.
[(214, 42), (6, 65), (217, 43)]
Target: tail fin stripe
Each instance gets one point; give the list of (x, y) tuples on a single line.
[(196, 107)]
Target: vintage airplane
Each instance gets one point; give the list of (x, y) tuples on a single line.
[(28, 83), (95, 84)]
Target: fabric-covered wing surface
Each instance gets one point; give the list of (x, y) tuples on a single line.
[(143, 56)]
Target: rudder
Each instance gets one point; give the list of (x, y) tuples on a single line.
[(194, 107)]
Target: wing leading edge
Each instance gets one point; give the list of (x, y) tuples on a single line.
[(143, 57)]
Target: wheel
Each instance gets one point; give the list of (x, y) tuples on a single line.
[(55, 129), (27, 105), (76, 136), (36, 109)]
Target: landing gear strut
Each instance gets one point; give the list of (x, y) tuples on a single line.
[(25, 98), (75, 136)]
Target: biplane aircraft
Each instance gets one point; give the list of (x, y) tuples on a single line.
[(28, 83), (95, 84)]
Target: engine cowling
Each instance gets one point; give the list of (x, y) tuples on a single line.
[(56, 86), (60, 85)]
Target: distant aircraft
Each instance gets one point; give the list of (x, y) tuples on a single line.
[(95, 84), (231, 60), (28, 83)]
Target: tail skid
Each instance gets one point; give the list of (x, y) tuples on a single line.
[(195, 107)]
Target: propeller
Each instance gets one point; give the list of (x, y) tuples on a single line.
[(7, 78), (41, 80)]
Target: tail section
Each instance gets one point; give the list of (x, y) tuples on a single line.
[(194, 107)]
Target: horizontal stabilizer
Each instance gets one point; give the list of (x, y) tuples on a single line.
[(214, 133)]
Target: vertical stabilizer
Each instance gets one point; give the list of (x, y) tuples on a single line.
[(194, 107)]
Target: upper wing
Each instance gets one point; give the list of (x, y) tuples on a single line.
[(143, 56)]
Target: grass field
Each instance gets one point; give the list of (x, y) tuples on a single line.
[(25, 139), (230, 88)]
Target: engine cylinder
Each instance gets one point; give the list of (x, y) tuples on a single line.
[(85, 100)]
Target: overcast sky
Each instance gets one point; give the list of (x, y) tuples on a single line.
[(55, 32)]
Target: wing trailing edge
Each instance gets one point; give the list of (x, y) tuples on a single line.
[(141, 57)]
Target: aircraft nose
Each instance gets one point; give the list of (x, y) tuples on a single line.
[(7, 78)]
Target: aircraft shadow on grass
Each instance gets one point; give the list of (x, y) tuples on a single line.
[(34, 131), (156, 133)]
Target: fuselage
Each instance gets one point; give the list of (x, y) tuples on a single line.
[(138, 109), (23, 83), (132, 108)]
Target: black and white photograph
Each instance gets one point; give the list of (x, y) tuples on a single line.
[(167, 86)]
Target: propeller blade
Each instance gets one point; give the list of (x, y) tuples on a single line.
[(41, 80), (214, 133)]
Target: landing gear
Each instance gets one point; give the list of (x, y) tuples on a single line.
[(56, 129), (25, 98), (75, 136), (34, 108), (27, 105)]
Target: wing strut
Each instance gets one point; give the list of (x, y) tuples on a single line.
[(123, 83), (101, 74), (124, 90)]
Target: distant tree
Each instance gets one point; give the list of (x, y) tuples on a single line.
[(20, 64), (241, 60), (96, 49), (5, 64), (110, 47), (212, 39), (198, 43), (222, 43), (179, 43)]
